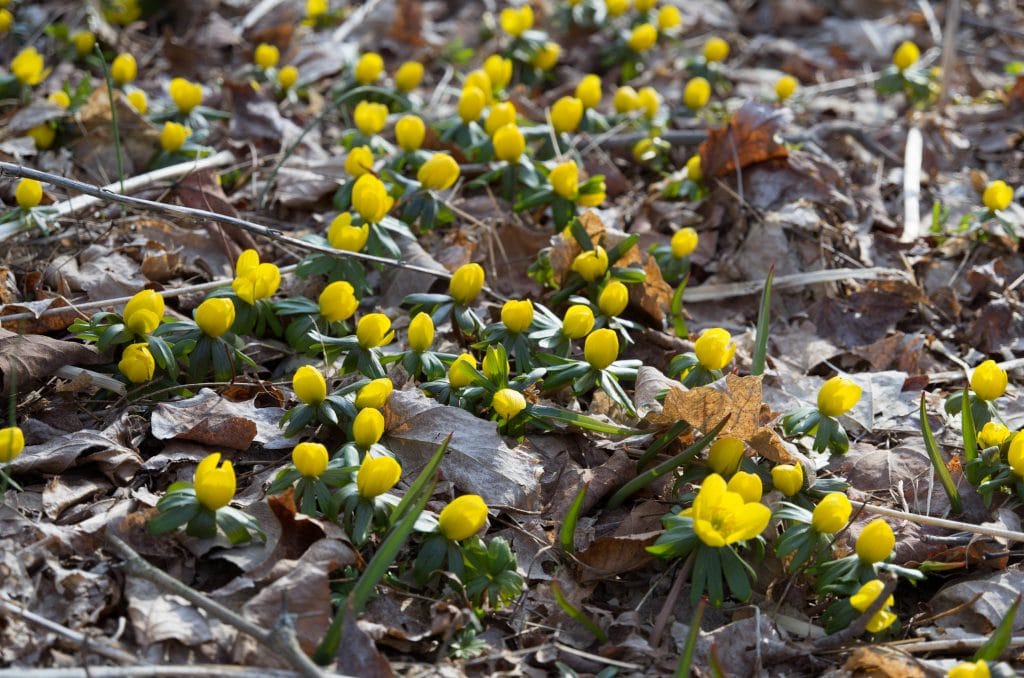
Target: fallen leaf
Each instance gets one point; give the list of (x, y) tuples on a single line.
[(94, 151), (995, 594), (35, 357), (157, 616), (750, 137), (880, 661), (117, 461), (653, 295), (210, 419), (611, 556)]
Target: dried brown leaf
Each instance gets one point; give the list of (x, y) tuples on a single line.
[(35, 357), (748, 138)]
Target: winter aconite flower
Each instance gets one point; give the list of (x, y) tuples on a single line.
[(28, 67), (287, 77), (625, 99), (669, 17), (458, 375), (725, 455), (992, 434), (721, 517), (613, 298), (876, 542), (370, 117), (408, 76), (368, 68), (508, 403), (684, 242), (696, 93), (344, 236), (578, 321), (123, 68), (588, 90), (988, 380), (906, 55), (747, 485), (865, 596), (310, 459), (649, 100), (1015, 455), (376, 476), (137, 363), (421, 332), (716, 49), (471, 103), (785, 87), (832, 513), (591, 264), (367, 427), (214, 482), (463, 517), (60, 99), (509, 143), (359, 161), (693, 168), (564, 179), (309, 385), (370, 198), (499, 70), (137, 98), (374, 330), (547, 56), (143, 312), (998, 195), (83, 41), (28, 194), (185, 94), (837, 396), (466, 283), (409, 132), (516, 21), (215, 316), (714, 348), (601, 348), (374, 394), (978, 669), (517, 315), (266, 55), (501, 114), (439, 173), (173, 136), (254, 280), (642, 37), (12, 442), (788, 478)]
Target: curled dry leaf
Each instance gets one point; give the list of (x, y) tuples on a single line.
[(210, 419), (750, 137)]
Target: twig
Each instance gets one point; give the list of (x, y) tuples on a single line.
[(281, 639), (670, 601), (912, 186), (741, 289), (353, 20), (964, 645), (89, 645), (958, 375), (73, 373), (200, 671), (597, 658), (949, 50), (949, 524)]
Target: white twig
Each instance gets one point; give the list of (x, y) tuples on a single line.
[(949, 50), (1008, 535), (964, 645), (73, 373), (741, 289), (912, 186), (88, 645)]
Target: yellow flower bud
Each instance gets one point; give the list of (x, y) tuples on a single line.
[(642, 37), (626, 99), (309, 385), (509, 143), (591, 264), (747, 485), (788, 478), (832, 513), (215, 316), (253, 280), (376, 476), (693, 169), (28, 67), (421, 332), (370, 198), (317, 8), (998, 195), (876, 542), (865, 597), (992, 434), (344, 236), (375, 394), (547, 56), (173, 136), (613, 299), (214, 485), (714, 348), (644, 150), (978, 669), (137, 363), (669, 17), (1015, 454), (564, 178), (12, 442), (42, 135), (338, 301), (408, 76), (458, 376), (501, 114), (370, 117), (716, 49), (367, 427), (466, 283), (482, 81), (644, 5), (83, 41), (137, 98), (725, 455), (517, 315), (601, 348), (516, 21), (123, 69), (578, 321), (439, 173), (287, 77), (499, 70), (463, 517), (60, 99), (143, 312), (28, 194), (696, 93), (589, 90), (471, 103), (186, 95), (616, 7), (508, 403), (310, 459), (491, 367), (409, 132), (684, 242), (266, 55), (374, 330), (785, 87), (566, 114), (906, 55), (368, 68), (837, 396), (359, 161), (649, 100)]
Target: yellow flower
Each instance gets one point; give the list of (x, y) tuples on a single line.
[(865, 596), (515, 21), (375, 394), (137, 98), (173, 136), (566, 114), (785, 87), (601, 348), (714, 348), (988, 380), (287, 77), (367, 427), (593, 198), (589, 90), (83, 41), (696, 93), (669, 17), (725, 455), (338, 301), (439, 173), (644, 5), (747, 485), (491, 367), (421, 332), (547, 56), (876, 542), (143, 312), (722, 517), (368, 68), (578, 321), (788, 478), (137, 363), (616, 7), (499, 70), (517, 315), (42, 135), (12, 442), (642, 37), (693, 169), (626, 99), (613, 298), (370, 117), (466, 283), (310, 459), (123, 69), (28, 194), (215, 316), (509, 143), (832, 513), (359, 161), (253, 280), (649, 100), (992, 434), (1015, 455), (28, 67), (186, 95), (376, 476), (317, 8), (906, 55), (716, 49), (998, 195), (500, 115), (837, 396), (463, 517), (266, 55), (508, 403), (564, 178), (482, 81), (978, 669), (409, 132), (374, 330), (458, 376), (471, 103), (591, 264), (370, 198), (309, 385), (214, 485), (684, 242), (408, 76), (344, 236)]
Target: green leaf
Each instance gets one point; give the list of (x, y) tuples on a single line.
[(1000, 638), (936, 458), (757, 361), (579, 420), (970, 439), (425, 477), (173, 518), (577, 614), (567, 533), (686, 658), (677, 429)]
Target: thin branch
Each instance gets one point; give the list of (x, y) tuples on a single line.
[(88, 645), (996, 532), (670, 601), (713, 292)]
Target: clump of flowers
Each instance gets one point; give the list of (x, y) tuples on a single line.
[(712, 352), (835, 398)]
